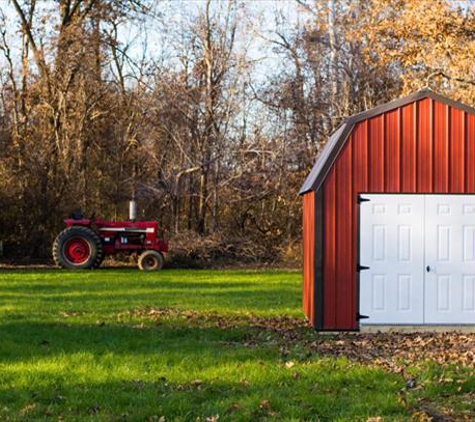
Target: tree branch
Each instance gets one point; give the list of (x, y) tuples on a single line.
[(444, 75), (39, 59)]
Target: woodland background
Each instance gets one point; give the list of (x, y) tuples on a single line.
[(209, 113)]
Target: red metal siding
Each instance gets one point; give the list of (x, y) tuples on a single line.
[(360, 177), (424, 147), (441, 148), (424, 144), (329, 246), (470, 153), (392, 150), (308, 255), (344, 235), (408, 148), (457, 148), (376, 154)]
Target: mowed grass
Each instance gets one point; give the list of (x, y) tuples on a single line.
[(121, 344)]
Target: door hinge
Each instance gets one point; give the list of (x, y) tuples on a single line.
[(361, 268), (361, 199), (359, 316)]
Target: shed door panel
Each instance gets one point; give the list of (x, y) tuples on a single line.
[(450, 257), (392, 245)]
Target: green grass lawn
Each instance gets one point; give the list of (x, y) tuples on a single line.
[(189, 345)]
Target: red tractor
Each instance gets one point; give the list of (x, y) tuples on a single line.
[(85, 242)]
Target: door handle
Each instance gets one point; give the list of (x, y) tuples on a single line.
[(428, 268)]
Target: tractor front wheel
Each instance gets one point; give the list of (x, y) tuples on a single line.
[(151, 261), (78, 248)]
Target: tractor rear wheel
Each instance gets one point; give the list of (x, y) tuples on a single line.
[(78, 248), (150, 261)]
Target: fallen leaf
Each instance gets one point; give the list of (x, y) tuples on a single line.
[(411, 383), (265, 405), (196, 383)]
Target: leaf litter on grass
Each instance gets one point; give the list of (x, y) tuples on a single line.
[(399, 353), (382, 349)]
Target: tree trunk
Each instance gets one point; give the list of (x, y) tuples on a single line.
[(332, 70), (202, 205), (214, 209)]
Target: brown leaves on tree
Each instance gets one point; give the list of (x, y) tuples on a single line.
[(430, 42)]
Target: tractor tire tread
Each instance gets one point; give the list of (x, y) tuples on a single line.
[(85, 232), (151, 252)]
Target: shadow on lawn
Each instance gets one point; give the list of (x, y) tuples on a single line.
[(183, 372), (136, 400), (105, 301), (101, 304), (69, 285), (23, 341)]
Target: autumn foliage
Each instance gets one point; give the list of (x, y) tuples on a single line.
[(211, 120)]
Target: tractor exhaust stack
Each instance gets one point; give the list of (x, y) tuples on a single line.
[(132, 210)]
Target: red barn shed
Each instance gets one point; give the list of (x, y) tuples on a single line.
[(389, 218)]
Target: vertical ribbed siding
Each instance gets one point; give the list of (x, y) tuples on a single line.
[(308, 255), (329, 242), (376, 154), (409, 148), (360, 178), (392, 151), (440, 148), (457, 151), (424, 147), (470, 153), (344, 235)]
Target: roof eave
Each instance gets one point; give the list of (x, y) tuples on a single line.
[(323, 164), (329, 149)]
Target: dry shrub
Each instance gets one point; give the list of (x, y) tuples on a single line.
[(189, 250)]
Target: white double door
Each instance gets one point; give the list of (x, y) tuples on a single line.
[(420, 250)]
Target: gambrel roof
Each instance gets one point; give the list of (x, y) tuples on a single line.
[(338, 139)]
